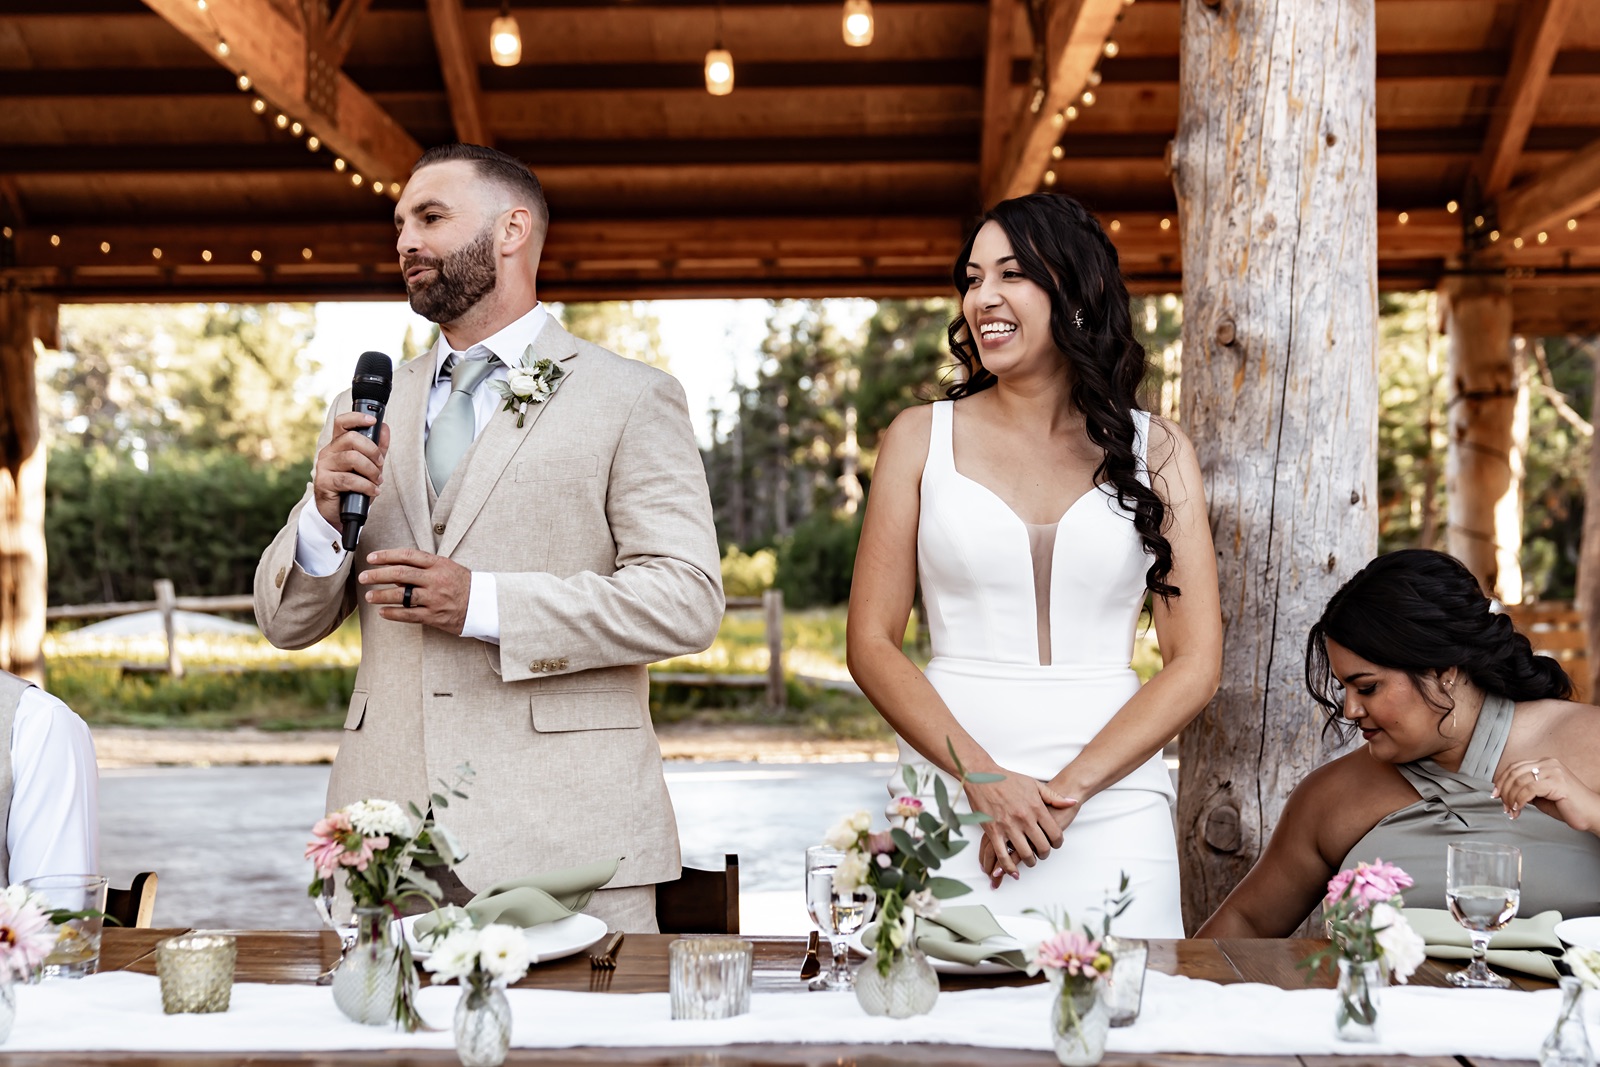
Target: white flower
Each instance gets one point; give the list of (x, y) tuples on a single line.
[(843, 834), (1402, 947), (851, 872), (16, 897), (924, 904), (522, 381), (860, 822), (374, 818), (503, 952), (454, 955), (1585, 964)]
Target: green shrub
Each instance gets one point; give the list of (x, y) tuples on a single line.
[(815, 561), (748, 575)]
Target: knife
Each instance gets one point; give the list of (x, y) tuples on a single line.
[(811, 966)]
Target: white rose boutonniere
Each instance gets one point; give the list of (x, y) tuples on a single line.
[(532, 382)]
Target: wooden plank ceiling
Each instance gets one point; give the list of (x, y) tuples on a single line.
[(829, 170)]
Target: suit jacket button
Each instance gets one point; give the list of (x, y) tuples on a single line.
[(561, 664), (536, 666), (282, 573), (438, 528)]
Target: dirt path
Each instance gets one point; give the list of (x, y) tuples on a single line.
[(125, 746)]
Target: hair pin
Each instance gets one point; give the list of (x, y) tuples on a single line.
[(1077, 318)]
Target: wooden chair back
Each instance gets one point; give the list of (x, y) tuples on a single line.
[(700, 902), (134, 907), (1555, 628)]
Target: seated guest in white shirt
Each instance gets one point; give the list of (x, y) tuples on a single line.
[(49, 803)]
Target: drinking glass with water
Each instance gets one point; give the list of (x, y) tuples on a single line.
[(1483, 887)]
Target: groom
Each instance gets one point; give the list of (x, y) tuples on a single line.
[(518, 569)]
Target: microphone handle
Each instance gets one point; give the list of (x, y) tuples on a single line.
[(353, 506)]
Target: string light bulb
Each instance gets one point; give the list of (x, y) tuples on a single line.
[(1071, 112), (244, 83), (282, 121), (858, 23), (377, 187), (394, 188), (296, 129), (223, 49), (258, 105), (1049, 177), (338, 164), (1166, 224), (1572, 224), (1088, 98), (55, 240), (305, 253), (505, 39), (355, 179), (1516, 242), (1111, 49), (1095, 78), (1543, 237), (6, 232), (719, 71), (1452, 207), (105, 247), (1057, 152), (1494, 235), (1116, 224), (1404, 218), (255, 255), (205, 254), (155, 253), (313, 142)]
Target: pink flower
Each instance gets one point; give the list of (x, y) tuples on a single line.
[(26, 938), (879, 843), (1368, 884), (1070, 952), (907, 807), (337, 844)]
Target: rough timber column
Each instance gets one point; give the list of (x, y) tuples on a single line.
[(22, 560), (1277, 193), (1483, 465)]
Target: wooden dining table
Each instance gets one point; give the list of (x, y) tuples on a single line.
[(298, 956)]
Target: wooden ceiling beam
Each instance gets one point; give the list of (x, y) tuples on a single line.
[(999, 77), (1075, 34), (459, 70), (342, 28), (273, 51), (1563, 191), (1538, 39)]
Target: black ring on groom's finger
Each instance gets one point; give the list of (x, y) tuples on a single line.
[(405, 601)]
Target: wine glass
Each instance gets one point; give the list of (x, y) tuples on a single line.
[(820, 863), (346, 930), (1483, 886), (849, 913)]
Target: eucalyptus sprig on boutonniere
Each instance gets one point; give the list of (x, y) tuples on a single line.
[(533, 381)]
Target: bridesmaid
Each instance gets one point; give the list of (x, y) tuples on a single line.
[(1468, 733)]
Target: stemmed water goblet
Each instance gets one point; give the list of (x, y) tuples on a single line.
[(820, 864), (1483, 886)]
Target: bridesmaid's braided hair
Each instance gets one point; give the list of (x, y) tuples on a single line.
[(1061, 248), (1423, 612)]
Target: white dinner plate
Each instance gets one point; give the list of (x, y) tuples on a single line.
[(1584, 932), (1022, 933), (548, 941)]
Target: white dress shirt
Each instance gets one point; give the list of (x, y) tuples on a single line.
[(54, 826), (319, 549)]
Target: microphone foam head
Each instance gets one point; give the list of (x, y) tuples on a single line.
[(373, 379)]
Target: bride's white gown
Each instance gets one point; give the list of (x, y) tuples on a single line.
[(1032, 630)]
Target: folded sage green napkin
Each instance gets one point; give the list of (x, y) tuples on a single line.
[(535, 899), (960, 935), (1528, 946)]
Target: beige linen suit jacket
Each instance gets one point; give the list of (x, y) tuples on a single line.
[(595, 519)]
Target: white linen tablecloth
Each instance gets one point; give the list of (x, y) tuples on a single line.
[(122, 1012)]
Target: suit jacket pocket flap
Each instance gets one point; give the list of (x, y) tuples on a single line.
[(358, 710), (586, 709)]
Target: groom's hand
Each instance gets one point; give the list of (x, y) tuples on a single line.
[(440, 588)]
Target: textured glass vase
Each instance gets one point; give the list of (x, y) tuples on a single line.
[(1079, 1023), (483, 1024), (1356, 1005), (1568, 1043), (8, 1008), (366, 984), (910, 988)]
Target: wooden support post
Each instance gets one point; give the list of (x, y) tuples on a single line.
[(1483, 466), (1277, 199), (1588, 593), (23, 317), (165, 598), (772, 611)]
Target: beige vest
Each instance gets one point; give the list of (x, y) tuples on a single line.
[(11, 690)]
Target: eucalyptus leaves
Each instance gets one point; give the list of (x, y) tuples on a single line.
[(533, 381)]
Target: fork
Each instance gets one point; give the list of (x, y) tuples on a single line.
[(606, 958)]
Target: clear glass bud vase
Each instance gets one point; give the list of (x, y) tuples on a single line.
[(1356, 1010), (910, 987), (1079, 1022), (366, 984), (483, 1024), (8, 1008), (1568, 1044)]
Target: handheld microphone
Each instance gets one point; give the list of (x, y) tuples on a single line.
[(369, 393)]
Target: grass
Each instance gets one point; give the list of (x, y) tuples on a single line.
[(244, 681)]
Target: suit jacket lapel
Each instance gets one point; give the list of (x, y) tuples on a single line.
[(502, 438), (407, 415)]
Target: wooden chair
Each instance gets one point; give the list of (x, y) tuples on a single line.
[(700, 902), (1556, 629), (136, 905)]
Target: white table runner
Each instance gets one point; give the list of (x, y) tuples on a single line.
[(122, 1012)]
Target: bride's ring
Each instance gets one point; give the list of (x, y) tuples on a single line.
[(1536, 774), (405, 601)]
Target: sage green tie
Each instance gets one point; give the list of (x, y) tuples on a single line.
[(456, 424)]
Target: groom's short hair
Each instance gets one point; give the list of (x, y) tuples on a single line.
[(493, 165)]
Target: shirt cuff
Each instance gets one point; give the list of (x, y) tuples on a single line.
[(318, 547), (483, 610)]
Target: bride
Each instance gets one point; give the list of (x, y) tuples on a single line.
[(1038, 507)]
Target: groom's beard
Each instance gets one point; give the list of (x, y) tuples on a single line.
[(460, 280)]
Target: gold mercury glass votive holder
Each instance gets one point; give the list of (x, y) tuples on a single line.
[(196, 972), (710, 977)]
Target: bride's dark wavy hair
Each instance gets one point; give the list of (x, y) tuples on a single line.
[(1062, 249), (1423, 612)]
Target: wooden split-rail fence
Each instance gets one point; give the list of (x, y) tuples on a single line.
[(770, 604)]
